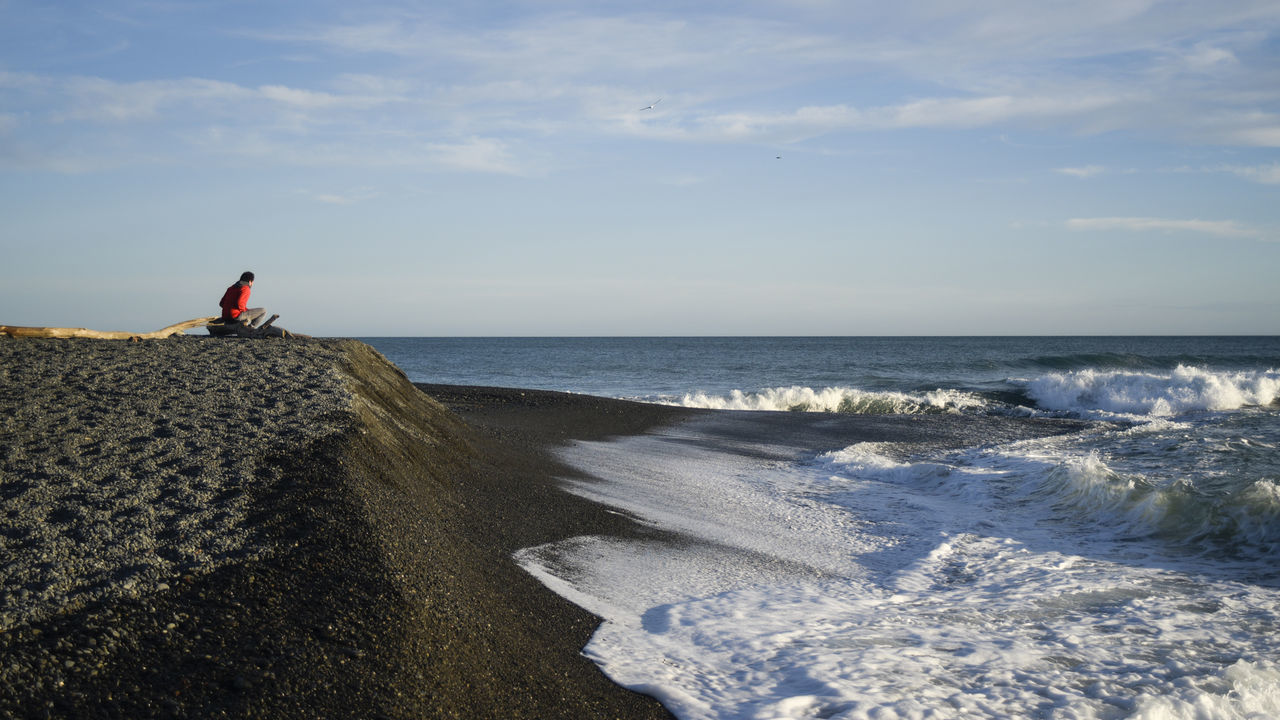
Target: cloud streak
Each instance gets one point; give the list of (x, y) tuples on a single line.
[(1181, 72), (980, 65), (1087, 171), (1265, 174), (477, 154), (955, 113), (1215, 228)]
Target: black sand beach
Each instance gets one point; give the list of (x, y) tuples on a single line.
[(286, 529)]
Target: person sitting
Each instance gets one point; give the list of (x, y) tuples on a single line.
[(235, 300)]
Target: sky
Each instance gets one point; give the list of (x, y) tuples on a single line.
[(561, 167)]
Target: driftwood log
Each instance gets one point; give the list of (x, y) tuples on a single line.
[(265, 330)]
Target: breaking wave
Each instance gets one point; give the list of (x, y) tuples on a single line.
[(1087, 393), (1086, 489), (1242, 520), (1184, 390), (839, 400)]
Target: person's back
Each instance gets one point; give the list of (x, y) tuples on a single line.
[(235, 300)]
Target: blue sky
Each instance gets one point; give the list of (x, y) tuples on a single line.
[(807, 167)]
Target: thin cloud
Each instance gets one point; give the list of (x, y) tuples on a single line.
[(569, 45), (487, 155), (299, 98), (1266, 174), (65, 120), (1205, 57), (1087, 171), (1196, 75), (1216, 228), (99, 100), (334, 199), (940, 113), (994, 109), (350, 197), (1266, 134)]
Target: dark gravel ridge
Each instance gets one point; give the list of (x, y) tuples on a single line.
[(286, 529)]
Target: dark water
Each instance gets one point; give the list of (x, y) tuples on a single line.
[(672, 367), (1201, 413)]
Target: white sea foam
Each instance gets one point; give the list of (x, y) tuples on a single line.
[(860, 586), (837, 399), (1186, 389), (1243, 690), (1088, 392), (1053, 479)]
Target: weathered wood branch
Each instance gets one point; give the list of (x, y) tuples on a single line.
[(56, 332)]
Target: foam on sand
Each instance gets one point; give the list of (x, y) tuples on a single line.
[(866, 584)]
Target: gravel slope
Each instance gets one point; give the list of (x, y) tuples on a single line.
[(230, 528)]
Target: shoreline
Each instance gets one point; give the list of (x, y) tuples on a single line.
[(371, 573), (198, 527)]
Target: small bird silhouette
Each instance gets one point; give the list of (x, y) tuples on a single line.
[(650, 106)]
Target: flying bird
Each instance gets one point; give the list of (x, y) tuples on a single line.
[(650, 107)]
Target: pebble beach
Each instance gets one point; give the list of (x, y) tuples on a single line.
[(197, 527)]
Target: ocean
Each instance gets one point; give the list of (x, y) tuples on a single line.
[(922, 527)]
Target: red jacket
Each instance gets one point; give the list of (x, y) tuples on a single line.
[(234, 301)]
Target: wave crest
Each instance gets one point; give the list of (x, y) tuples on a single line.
[(1088, 489), (1186, 389), (1084, 489), (838, 400)]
